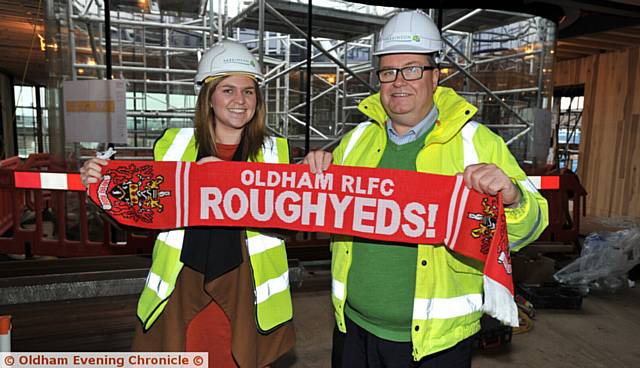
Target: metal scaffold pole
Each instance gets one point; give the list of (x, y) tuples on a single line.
[(307, 131), (107, 36), (261, 34)]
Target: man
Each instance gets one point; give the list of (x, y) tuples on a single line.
[(398, 305)]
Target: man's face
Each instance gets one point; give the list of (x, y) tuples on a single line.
[(407, 102)]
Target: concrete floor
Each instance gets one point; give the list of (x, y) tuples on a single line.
[(602, 334)]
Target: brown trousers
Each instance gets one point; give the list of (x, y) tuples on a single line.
[(233, 292)]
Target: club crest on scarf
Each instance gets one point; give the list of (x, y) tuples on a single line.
[(487, 223), (132, 192), (504, 254), (486, 230)]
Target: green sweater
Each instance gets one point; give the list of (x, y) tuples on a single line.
[(382, 277)]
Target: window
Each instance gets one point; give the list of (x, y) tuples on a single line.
[(32, 138), (568, 104)]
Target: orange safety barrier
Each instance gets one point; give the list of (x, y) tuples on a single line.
[(56, 223)]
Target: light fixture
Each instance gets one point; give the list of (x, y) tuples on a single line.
[(143, 5), (331, 78), (43, 45)]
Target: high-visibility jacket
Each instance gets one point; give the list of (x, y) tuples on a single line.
[(448, 290), (267, 254)]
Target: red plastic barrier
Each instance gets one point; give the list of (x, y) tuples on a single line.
[(26, 216), (564, 223), (8, 198)]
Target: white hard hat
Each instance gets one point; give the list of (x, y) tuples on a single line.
[(411, 32), (224, 58)]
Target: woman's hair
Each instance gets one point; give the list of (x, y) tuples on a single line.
[(253, 134)]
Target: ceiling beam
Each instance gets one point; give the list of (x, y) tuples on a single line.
[(589, 44), (595, 23), (566, 55), (622, 33), (602, 7), (607, 37), (577, 49)]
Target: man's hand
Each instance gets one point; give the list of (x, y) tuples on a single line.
[(490, 179), (318, 161)]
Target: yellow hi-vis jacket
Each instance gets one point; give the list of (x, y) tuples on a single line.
[(267, 254), (448, 293)]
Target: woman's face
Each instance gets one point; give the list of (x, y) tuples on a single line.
[(234, 103)]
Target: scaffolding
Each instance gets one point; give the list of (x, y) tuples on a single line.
[(500, 61)]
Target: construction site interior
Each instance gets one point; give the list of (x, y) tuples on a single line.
[(561, 89)]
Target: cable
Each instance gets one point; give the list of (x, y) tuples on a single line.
[(33, 38), (526, 323)]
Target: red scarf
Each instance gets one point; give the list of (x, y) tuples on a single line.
[(382, 204)]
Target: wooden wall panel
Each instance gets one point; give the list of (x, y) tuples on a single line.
[(572, 71), (609, 150)]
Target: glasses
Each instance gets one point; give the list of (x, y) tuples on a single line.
[(409, 73)]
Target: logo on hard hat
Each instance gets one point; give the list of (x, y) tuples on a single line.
[(239, 61), (402, 37)]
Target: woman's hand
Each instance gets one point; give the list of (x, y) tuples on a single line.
[(91, 171)]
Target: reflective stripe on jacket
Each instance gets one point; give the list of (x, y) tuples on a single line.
[(448, 294), (267, 254)]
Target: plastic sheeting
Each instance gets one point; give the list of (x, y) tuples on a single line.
[(604, 262)]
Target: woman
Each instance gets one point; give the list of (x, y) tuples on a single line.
[(200, 293)]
